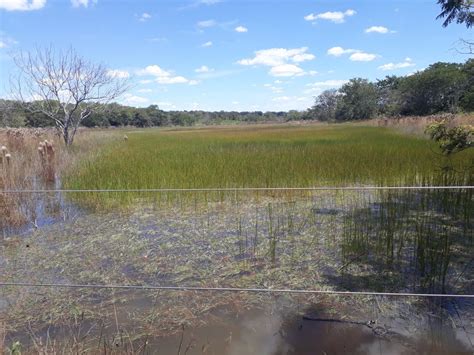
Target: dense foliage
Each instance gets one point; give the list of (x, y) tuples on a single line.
[(451, 139), (442, 87), (115, 115), (461, 11)]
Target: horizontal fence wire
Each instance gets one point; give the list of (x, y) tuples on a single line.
[(233, 289), (241, 189)]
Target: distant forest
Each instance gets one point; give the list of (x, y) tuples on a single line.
[(442, 87)]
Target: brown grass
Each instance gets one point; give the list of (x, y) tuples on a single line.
[(37, 159), (417, 124)]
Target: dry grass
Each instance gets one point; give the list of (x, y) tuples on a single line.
[(35, 159), (417, 125)]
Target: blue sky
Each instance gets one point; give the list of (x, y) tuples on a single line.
[(233, 54)]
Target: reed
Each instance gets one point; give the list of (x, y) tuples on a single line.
[(36, 159), (265, 156)]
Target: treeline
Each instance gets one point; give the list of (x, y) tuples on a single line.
[(442, 87), (12, 114)]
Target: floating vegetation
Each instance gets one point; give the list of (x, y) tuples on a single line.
[(366, 240), (395, 241)]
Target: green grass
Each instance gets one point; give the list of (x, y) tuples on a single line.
[(271, 156)]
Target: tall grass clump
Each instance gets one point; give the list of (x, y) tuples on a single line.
[(417, 239), (35, 159), (270, 156)]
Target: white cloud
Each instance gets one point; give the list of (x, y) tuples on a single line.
[(145, 91), (214, 74), (166, 104), (145, 81), (280, 60), (278, 56), (363, 57), (134, 100), (207, 44), (377, 29), (198, 3), (154, 70), (120, 74), (163, 76), (194, 82), (394, 66), (6, 41), (207, 23), (85, 3), (336, 16), (328, 83), (338, 51), (303, 57), (172, 80), (286, 103), (203, 69), (241, 29), (144, 17), (356, 54), (274, 89), (319, 86), (281, 99), (22, 5), (286, 70)]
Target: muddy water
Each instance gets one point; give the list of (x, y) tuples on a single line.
[(276, 335), (315, 243)]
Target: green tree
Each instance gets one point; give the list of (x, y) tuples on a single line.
[(461, 11), (438, 88), (451, 139), (388, 101), (157, 117), (467, 99), (325, 105), (358, 100)]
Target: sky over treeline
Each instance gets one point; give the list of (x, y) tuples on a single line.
[(233, 54)]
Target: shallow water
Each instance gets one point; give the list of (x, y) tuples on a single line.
[(350, 241), (274, 334)]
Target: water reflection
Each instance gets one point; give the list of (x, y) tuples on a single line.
[(420, 241), (358, 240)]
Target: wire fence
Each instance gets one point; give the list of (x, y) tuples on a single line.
[(234, 289), (242, 189)]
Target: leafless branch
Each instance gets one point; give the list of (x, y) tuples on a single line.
[(63, 86)]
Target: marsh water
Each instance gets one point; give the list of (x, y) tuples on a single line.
[(392, 241)]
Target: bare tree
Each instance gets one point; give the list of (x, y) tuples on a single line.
[(64, 86), (466, 46)]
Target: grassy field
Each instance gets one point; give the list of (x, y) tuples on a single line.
[(270, 156), (394, 241)]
